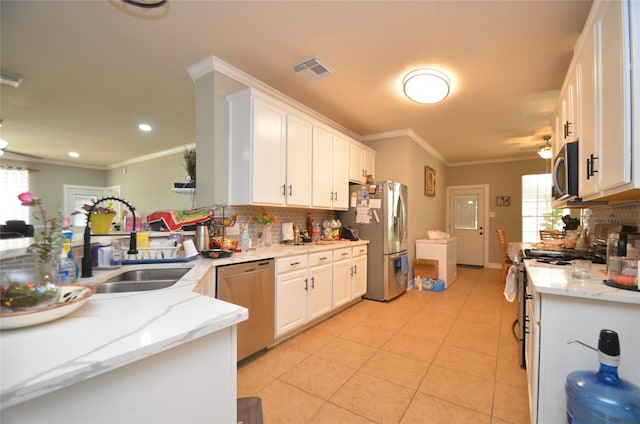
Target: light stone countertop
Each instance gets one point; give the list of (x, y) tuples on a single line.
[(557, 280), (115, 329)]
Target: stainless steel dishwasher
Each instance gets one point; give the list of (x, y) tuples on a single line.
[(252, 285)]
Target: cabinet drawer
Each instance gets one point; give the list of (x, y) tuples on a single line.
[(320, 258), (360, 250), (291, 263), (341, 254)]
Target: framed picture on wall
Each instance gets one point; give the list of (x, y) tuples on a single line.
[(429, 181), (503, 201)]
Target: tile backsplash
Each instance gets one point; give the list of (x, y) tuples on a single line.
[(296, 216), (627, 213)]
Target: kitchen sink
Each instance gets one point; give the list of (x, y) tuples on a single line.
[(142, 280)]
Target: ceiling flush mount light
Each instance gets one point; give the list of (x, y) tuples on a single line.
[(144, 127), (545, 151), (73, 154), (426, 86)]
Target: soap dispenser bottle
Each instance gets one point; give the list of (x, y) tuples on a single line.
[(602, 397)]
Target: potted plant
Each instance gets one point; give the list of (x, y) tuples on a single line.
[(101, 218), (189, 165)]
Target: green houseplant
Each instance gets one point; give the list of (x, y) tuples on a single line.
[(189, 157)]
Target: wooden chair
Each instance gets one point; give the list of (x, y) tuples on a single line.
[(506, 262), (551, 235)]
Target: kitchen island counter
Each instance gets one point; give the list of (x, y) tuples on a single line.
[(561, 309), (111, 333), (556, 279)]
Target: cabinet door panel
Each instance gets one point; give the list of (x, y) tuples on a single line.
[(359, 281), (322, 179), (615, 150), (341, 283), (320, 291), (340, 173), (298, 161), (268, 154), (291, 301)]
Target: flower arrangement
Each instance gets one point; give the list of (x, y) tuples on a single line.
[(98, 209), (264, 217), (47, 243)]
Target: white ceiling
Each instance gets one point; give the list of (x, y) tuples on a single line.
[(93, 69)]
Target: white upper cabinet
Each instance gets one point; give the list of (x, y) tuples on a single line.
[(330, 181), (299, 139), (270, 152), (585, 70), (597, 102), (361, 162), (614, 90), (340, 173)]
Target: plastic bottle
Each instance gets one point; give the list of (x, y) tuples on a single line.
[(67, 267), (602, 397), (68, 234), (244, 240)]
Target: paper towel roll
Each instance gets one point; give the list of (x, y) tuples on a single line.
[(287, 231)]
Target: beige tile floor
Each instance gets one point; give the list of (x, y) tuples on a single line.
[(425, 357)]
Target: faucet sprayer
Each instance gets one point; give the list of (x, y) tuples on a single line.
[(87, 260)]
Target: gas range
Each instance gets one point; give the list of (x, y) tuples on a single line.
[(564, 255)]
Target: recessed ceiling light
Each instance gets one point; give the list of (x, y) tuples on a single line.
[(74, 154), (144, 127)]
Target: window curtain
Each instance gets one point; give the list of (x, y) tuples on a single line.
[(13, 181)]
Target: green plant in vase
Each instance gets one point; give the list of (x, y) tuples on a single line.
[(29, 282), (265, 219)]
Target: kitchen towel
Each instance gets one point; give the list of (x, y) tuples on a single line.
[(404, 263), (176, 219), (511, 285)]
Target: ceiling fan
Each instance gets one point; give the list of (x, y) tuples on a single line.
[(3, 150), (544, 151)]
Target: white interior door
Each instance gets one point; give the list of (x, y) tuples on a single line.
[(466, 222)]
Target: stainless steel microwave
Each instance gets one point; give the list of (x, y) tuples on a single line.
[(565, 172)]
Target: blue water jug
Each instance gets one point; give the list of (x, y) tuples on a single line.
[(602, 397)]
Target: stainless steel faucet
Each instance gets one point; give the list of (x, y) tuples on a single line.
[(87, 260)]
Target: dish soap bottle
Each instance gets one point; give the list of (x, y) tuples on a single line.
[(602, 397), (67, 267)]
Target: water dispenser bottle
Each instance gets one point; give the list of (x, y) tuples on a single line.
[(602, 397)]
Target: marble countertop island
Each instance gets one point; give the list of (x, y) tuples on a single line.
[(557, 280), (113, 330)]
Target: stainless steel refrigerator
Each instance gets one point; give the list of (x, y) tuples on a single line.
[(379, 213)]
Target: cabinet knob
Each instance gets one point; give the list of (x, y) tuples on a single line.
[(290, 190), (313, 282), (306, 284)]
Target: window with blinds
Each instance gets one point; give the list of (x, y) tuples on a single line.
[(13, 181)]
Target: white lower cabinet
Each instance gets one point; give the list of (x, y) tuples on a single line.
[(558, 319), (359, 272), (291, 293), (320, 287), (312, 285), (303, 290), (341, 277)]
